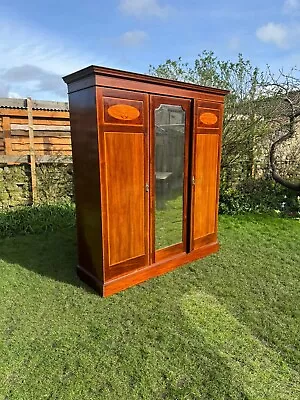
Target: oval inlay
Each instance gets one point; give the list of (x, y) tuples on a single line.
[(123, 112), (208, 118)]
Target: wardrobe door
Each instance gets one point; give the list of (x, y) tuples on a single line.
[(170, 132), (206, 163), (124, 179)]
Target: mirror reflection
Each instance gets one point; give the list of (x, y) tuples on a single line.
[(169, 174)]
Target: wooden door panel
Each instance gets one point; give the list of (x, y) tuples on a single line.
[(125, 195), (124, 146), (205, 188)]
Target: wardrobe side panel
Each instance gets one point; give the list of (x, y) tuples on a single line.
[(84, 134)]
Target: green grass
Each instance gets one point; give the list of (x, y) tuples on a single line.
[(38, 219), (168, 223), (226, 327)]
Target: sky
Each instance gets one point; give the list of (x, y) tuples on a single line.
[(41, 41)]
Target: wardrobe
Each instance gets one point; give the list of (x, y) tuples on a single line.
[(146, 157)]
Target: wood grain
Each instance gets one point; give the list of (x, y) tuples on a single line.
[(205, 194), (11, 112), (124, 154), (83, 109), (7, 134), (128, 143)]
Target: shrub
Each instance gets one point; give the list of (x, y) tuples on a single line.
[(259, 196), (36, 219)]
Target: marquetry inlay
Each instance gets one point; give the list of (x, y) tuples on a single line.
[(123, 112), (208, 118)]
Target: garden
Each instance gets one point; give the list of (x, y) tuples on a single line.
[(223, 327)]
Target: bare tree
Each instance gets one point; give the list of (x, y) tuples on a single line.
[(285, 97)]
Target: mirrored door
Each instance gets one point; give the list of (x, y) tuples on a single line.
[(170, 151)]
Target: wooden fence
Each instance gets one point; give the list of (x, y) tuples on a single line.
[(34, 132)]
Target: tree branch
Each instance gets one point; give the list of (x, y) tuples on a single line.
[(290, 134)]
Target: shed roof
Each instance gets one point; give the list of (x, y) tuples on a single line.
[(36, 104)]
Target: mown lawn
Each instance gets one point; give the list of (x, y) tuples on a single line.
[(226, 327)]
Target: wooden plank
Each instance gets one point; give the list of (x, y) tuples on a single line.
[(40, 121), (42, 159), (25, 127), (39, 147), (42, 140), (10, 112), (44, 151), (5, 159), (32, 152), (44, 134)]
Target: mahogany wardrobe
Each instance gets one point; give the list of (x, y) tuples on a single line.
[(146, 157)]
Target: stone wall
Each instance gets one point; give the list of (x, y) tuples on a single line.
[(54, 184)]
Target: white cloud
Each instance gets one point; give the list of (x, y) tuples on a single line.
[(134, 38), (291, 6), (141, 8), (33, 62), (273, 33), (37, 79)]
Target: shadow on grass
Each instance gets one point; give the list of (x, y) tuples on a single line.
[(261, 370), (51, 254)]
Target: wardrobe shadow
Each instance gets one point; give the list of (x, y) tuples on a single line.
[(52, 254)]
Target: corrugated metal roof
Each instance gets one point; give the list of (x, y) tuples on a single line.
[(36, 104)]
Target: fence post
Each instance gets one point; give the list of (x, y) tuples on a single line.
[(32, 152), (7, 135)]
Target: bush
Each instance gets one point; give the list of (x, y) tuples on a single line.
[(259, 196), (36, 219)]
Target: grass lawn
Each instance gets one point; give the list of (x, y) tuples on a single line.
[(226, 327)]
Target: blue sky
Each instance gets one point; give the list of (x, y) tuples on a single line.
[(40, 41)]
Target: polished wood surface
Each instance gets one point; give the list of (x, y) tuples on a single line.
[(141, 275), (157, 269), (123, 112), (93, 72), (113, 140), (125, 195), (208, 117), (123, 147), (205, 187), (83, 116)]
